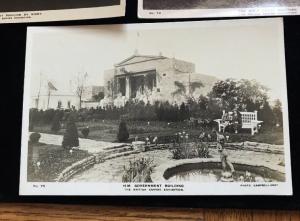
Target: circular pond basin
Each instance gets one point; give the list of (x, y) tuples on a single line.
[(212, 172)]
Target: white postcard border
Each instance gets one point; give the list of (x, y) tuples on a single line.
[(80, 189), (64, 14)]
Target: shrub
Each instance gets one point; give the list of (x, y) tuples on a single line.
[(56, 122), (31, 126), (71, 135), (47, 116), (202, 150), (266, 115), (85, 132), (177, 153), (35, 137), (183, 149), (138, 171), (123, 134), (33, 116)]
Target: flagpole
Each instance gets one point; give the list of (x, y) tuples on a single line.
[(49, 93), (39, 93)]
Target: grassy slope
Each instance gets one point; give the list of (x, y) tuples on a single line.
[(107, 131)]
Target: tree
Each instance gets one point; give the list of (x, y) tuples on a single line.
[(277, 111), (147, 94), (184, 112), (181, 90), (187, 91), (194, 108), (266, 115), (70, 138), (80, 86), (227, 92), (214, 109), (123, 134), (252, 94), (99, 96), (193, 86), (203, 103), (243, 94)]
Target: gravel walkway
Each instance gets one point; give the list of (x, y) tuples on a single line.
[(91, 146), (112, 170)]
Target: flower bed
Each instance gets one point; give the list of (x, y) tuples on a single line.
[(46, 162)]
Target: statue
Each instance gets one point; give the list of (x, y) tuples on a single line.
[(226, 175)]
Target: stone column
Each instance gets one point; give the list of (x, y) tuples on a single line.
[(128, 88)]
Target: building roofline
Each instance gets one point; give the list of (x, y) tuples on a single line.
[(149, 58)]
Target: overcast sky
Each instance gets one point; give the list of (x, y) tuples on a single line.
[(225, 49)]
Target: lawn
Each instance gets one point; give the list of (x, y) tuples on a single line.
[(45, 162), (205, 4), (107, 131)]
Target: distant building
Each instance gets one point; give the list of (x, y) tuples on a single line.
[(55, 100), (50, 97), (151, 78), (90, 92)]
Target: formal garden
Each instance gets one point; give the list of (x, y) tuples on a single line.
[(131, 143)]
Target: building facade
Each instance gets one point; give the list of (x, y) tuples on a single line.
[(152, 78)]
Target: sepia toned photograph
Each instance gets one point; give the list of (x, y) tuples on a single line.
[(57, 10), (191, 108), (216, 8)]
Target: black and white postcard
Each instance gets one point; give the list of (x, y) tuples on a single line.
[(57, 10), (216, 8), (191, 108)]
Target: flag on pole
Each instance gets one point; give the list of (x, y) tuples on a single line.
[(51, 86)]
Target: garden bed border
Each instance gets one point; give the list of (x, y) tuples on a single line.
[(159, 171), (100, 157)]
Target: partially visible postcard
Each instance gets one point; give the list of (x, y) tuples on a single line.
[(216, 8), (59, 10), (192, 108)]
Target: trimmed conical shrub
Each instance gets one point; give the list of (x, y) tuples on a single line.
[(85, 132), (34, 137), (71, 135), (123, 134)]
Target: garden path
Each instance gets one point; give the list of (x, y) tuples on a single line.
[(112, 170), (92, 146)]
